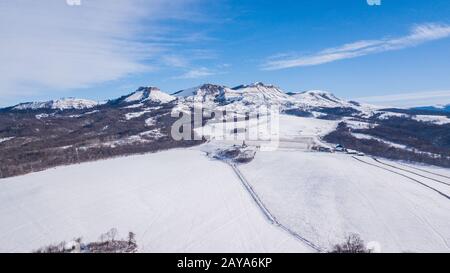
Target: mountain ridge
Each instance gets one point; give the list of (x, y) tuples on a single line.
[(248, 93)]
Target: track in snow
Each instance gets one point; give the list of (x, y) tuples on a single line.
[(408, 177), (425, 171), (267, 212), (418, 174)]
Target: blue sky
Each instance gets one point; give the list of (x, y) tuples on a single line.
[(101, 50)]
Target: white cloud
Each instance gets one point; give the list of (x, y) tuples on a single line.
[(175, 61), (410, 99), (48, 44), (418, 35), (185, 58), (196, 74)]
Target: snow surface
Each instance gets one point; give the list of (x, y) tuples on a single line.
[(136, 96), (319, 98), (187, 92), (355, 124), (390, 143), (439, 120), (41, 116), (388, 115), (326, 196), (393, 144), (250, 98), (154, 134), (133, 115), (159, 96), (173, 204), (150, 121), (137, 105), (290, 128), (169, 199), (61, 104), (149, 94), (5, 139)]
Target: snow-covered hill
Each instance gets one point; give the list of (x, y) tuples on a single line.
[(61, 104), (319, 98)]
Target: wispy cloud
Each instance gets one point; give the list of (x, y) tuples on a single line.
[(418, 35), (174, 61), (49, 45), (196, 74), (410, 99), (186, 58)]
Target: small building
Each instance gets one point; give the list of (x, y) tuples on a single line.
[(339, 148)]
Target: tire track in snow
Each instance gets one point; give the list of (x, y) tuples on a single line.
[(420, 218), (267, 212), (424, 220), (404, 175), (425, 171), (436, 180)]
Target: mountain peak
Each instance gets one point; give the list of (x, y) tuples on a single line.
[(149, 93), (204, 89), (321, 93), (148, 88), (255, 84), (321, 98)]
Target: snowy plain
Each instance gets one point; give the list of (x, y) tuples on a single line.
[(325, 197), (175, 201)]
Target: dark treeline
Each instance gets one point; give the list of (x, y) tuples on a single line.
[(44, 139), (427, 146)]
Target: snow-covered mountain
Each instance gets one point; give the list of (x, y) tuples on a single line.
[(207, 93), (60, 104), (319, 98), (317, 106), (241, 98), (151, 93), (259, 93), (245, 98)]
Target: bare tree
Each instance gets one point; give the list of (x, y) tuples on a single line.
[(112, 233), (131, 238), (353, 244)]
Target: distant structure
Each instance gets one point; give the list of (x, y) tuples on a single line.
[(339, 148)]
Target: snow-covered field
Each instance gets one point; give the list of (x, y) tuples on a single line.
[(287, 127), (175, 201), (327, 196), (290, 132), (183, 201)]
